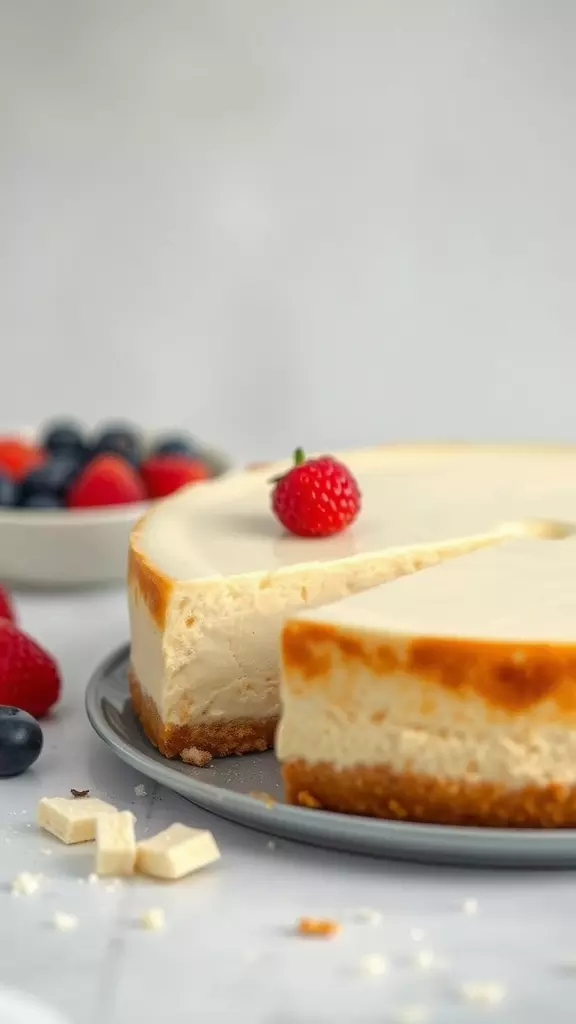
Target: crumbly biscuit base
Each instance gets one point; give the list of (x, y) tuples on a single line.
[(378, 792), (241, 736)]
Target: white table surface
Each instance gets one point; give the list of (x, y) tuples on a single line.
[(229, 951)]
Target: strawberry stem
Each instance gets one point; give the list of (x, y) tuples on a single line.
[(299, 457)]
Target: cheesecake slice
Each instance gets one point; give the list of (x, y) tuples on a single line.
[(446, 697), (212, 575)]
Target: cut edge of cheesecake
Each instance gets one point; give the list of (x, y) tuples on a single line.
[(396, 708), (167, 721)]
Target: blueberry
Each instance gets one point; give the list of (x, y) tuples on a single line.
[(54, 478), (42, 499), (20, 741), (7, 491), (63, 437), (178, 444), (120, 439)]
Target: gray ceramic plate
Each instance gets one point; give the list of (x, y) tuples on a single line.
[(225, 789)]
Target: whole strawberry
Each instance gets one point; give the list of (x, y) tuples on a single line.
[(106, 480), (29, 676), (317, 497), (164, 474)]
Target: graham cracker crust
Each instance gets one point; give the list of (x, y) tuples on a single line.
[(242, 736), (378, 792)]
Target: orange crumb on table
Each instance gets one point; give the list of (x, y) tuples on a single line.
[(321, 927)]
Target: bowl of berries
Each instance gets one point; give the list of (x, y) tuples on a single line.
[(69, 497)]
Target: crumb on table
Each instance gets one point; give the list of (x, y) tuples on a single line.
[(322, 927)]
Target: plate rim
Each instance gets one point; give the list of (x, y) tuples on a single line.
[(382, 838)]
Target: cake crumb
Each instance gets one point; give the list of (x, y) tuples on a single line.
[(305, 799), (366, 915), (266, 798), (373, 964), (195, 756), (26, 884), (417, 934), (470, 906), (64, 922), (46, 852), (411, 1015), (322, 927), (93, 878), (490, 993), (140, 789), (153, 920), (79, 794), (425, 959), (271, 844)]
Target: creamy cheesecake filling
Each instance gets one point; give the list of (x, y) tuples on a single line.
[(450, 740), (465, 672), (217, 657)]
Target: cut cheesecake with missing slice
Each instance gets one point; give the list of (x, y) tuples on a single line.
[(446, 697), (212, 575)]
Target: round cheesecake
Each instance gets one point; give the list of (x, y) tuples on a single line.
[(212, 575)]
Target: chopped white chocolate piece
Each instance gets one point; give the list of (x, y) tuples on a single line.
[(64, 922), (93, 878), (154, 919), (488, 992), (175, 852), (26, 884), (72, 821), (115, 844)]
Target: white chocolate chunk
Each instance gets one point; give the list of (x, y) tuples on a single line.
[(153, 920), (115, 844), (175, 852), (72, 821)]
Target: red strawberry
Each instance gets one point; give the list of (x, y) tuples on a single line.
[(106, 480), (29, 677), (6, 606), (18, 457), (163, 474), (317, 497)]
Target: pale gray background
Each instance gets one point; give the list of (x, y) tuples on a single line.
[(278, 222), (284, 221)]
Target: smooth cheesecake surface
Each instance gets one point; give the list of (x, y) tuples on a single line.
[(449, 696), (212, 575)]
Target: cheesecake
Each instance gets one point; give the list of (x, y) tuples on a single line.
[(446, 697), (212, 576)]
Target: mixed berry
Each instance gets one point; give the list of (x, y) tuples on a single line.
[(67, 468), (30, 685)]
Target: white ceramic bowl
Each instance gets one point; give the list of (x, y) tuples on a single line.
[(76, 547)]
